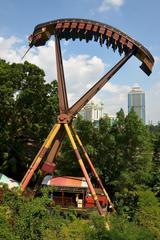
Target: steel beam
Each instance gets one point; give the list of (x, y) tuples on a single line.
[(56, 145), (92, 91), (39, 157), (91, 166), (62, 94), (74, 146)]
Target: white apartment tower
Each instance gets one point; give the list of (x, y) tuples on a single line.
[(92, 112)]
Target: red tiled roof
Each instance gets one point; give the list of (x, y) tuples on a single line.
[(66, 181)]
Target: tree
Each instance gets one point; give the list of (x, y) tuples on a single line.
[(138, 149), (28, 109), (155, 183), (135, 149), (122, 229), (148, 212)]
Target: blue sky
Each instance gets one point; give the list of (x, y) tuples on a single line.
[(85, 63)]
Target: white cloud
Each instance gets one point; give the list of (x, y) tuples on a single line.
[(81, 72), (115, 97), (108, 4), (157, 59), (8, 49), (115, 88), (44, 57), (152, 103)]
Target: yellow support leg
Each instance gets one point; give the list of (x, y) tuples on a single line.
[(39, 156), (100, 210)]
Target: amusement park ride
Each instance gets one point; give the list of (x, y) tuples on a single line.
[(87, 30)]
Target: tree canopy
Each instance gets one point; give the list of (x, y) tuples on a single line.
[(28, 109)]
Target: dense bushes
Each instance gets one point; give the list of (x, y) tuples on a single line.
[(35, 219)]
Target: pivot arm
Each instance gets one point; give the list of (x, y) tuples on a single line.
[(87, 97)]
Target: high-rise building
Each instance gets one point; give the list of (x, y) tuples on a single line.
[(136, 100), (92, 112)]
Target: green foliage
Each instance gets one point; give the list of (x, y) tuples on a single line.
[(122, 229), (128, 159), (33, 218), (98, 228), (148, 212), (28, 109), (155, 183), (75, 230), (133, 144), (30, 218), (6, 232)]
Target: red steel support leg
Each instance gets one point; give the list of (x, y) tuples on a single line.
[(84, 169), (49, 165), (39, 156), (92, 167), (62, 94)]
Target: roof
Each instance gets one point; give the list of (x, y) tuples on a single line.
[(65, 181), (9, 181)]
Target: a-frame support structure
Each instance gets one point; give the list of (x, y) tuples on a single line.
[(64, 125)]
